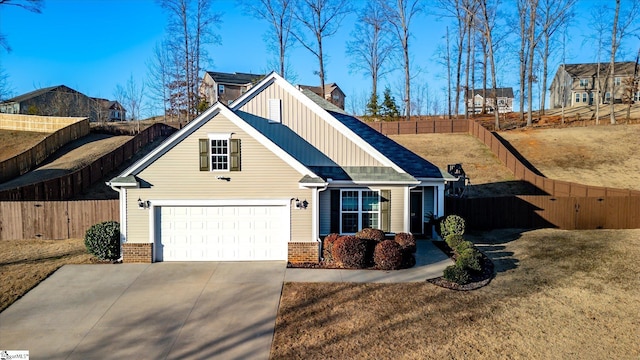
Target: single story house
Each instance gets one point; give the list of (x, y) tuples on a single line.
[(266, 177)]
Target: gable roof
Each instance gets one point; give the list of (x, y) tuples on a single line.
[(591, 69), (502, 92), (328, 88), (235, 78), (38, 92)]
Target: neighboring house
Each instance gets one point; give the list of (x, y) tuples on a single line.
[(580, 85), (61, 100), (109, 110), (266, 178), (331, 93), (476, 97), (226, 87)]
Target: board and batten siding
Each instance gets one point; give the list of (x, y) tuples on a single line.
[(397, 207), (311, 127), (177, 176)]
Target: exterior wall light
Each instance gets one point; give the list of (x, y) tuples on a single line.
[(143, 204), (301, 205)]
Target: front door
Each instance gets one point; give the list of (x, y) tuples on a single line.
[(415, 210)]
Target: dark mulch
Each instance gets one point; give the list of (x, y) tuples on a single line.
[(478, 279)]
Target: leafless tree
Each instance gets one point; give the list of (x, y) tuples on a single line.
[(322, 19), (370, 48), (486, 21), (190, 27), (132, 97), (34, 6), (399, 15), (158, 76), (598, 31), (5, 85), (279, 15)]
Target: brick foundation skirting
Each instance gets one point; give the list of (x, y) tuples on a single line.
[(300, 252), (137, 253)]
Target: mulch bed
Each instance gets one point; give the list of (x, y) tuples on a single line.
[(478, 280)]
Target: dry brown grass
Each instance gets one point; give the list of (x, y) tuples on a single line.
[(557, 295), (16, 142), (25, 263)]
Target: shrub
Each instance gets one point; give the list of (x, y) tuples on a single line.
[(470, 259), (462, 246), (327, 246), (103, 240), (457, 274), (452, 224), (406, 241), (371, 234), (350, 252), (453, 240), (408, 259), (388, 255)]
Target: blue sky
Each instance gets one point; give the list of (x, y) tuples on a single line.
[(94, 45)]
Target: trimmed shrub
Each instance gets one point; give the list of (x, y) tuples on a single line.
[(470, 259), (457, 274), (103, 240), (462, 246), (327, 246), (350, 252), (454, 240), (388, 255), (408, 259), (452, 224), (406, 241), (371, 234)]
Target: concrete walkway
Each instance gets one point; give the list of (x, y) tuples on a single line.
[(208, 310)]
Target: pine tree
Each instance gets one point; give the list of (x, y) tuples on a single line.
[(373, 108), (389, 109)]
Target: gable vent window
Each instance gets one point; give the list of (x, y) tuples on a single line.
[(275, 110), (219, 153)]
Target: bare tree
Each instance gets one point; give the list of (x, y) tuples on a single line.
[(488, 9), (158, 76), (131, 96), (34, 6), (370, 47), (399, 16), (5, 86), (279, 15), (322, 19)]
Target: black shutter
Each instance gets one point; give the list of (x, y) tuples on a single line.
[(335, 211), (204, 154)]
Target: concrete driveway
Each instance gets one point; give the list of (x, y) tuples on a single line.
[(148, 311)]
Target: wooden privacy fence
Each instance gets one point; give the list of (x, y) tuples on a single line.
[(53, 219), (29, 159), (75, 183), (421, 126)]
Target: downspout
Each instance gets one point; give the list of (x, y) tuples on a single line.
[(122, 203)]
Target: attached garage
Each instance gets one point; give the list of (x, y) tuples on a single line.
[(221, 232)]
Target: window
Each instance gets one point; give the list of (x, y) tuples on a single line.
[(607, 96), (359, 209), (584, 97), (220, 89), (577, 97), (584, 82), (219, 153), (636, 96), (617, 81)]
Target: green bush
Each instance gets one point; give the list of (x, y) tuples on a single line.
[(454, 240), (388, 255), (452, 224), (350, 252), (371, 234), (327, 247), (406, 241), (470, 259), (462, 246), (103, 240), (457, 274)]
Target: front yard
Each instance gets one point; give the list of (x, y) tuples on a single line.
[(557, 295)]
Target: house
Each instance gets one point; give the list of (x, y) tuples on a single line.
[(475, 98), (331, 93), (584, 84), (226, 87), (266, 178), (62, 100), (108, 110)]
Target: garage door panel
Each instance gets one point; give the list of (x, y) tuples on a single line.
[(218, 233)]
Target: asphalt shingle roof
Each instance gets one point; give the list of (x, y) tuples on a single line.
[(234, 78)]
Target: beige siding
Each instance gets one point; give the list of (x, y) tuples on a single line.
[(311, 127), (176, 175)]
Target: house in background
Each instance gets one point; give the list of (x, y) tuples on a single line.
[(226, 87), (475, 99), (584, 84), (266, 178), (62, 100), (332, 93)]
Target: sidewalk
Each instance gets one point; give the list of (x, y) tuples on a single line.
[(430, 263)]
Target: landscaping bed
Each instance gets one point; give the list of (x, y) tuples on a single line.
[(477, 279)]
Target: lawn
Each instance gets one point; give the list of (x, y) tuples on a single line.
[(557, 295), (24, 263)]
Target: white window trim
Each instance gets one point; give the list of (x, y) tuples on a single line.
[(220, 88), (360, 212), (219, 136)]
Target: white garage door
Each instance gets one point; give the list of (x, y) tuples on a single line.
[(222, 233)]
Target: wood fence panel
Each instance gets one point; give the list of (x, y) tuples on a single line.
[(426, 127), (596, 191), (84, 214), (578, 190), (561, 188), (10, 220), (408, 127), (591, 213)]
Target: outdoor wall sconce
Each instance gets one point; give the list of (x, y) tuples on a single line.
[(225, 178), (143, 204), (300, 205)]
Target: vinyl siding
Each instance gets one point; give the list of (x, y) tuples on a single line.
[(176, 175), (310, 127)]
